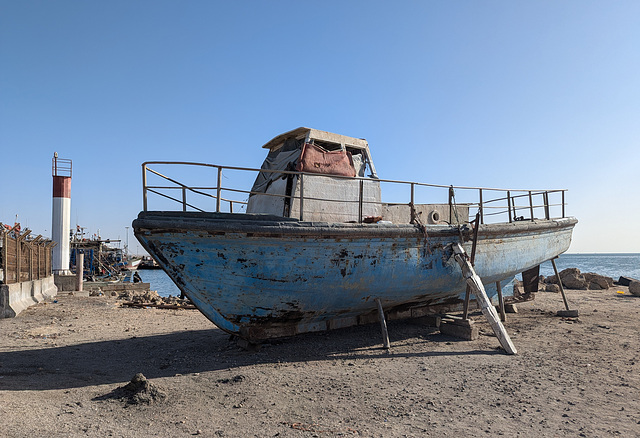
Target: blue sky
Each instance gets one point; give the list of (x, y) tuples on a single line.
[(541, 94)]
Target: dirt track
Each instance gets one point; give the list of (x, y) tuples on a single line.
[(62, 367)]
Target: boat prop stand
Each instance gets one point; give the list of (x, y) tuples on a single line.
[(488, 310), (383, 326), (568, 312)]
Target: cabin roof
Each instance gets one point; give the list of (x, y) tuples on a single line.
[(277, 141)]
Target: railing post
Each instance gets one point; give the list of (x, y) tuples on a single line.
[(360, 200), (563, 204), (481, 209), (509, 205), (219, 189), (301, 198), (144, 187), (531, 204), (184, 199), (413, 205), (230, 206), (451, 204), (546, 205)]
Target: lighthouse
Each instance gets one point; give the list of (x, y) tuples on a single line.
[(61, 214)]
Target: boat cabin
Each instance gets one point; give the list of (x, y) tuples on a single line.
[(331, 178)]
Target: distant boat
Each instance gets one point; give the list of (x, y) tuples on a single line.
[(130, 264), (317, 246), (148, 263)]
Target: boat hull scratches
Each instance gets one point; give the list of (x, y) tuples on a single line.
[(267, 281)]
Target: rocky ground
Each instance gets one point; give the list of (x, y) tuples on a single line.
[(88, 366)]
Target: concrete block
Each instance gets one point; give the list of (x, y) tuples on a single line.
[(16, 297), (462, 329), (510, 308)]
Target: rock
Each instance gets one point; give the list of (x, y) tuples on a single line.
[(626, 281), (552, 287), (597, 281), (573, 279), (634, 288)]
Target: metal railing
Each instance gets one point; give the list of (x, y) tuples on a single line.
[(504, 201)]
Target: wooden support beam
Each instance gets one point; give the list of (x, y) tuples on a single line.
[(483, 300)]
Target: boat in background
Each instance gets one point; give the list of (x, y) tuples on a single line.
[(317, 248)]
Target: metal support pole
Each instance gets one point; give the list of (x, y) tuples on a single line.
[(509, 205), (360, 201), (564, 297), (481, 212), (531, 204), (184, 199), (413, 205), (563, 204), (383, 326), (451, 195), (467, 295), (219, 189), (503, 315), (547, 214), (301, 198), (144, 187)]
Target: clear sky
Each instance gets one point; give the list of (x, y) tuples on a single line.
[(541, 94)]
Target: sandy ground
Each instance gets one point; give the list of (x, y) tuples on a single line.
[(63, 366)]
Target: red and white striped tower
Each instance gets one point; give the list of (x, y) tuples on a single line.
[(61, 214)]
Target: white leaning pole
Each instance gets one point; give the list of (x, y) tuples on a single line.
[(61, 214), (487, 308)]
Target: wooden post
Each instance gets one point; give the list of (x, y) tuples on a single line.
[(383, 326), (487, 308), (503, 315)]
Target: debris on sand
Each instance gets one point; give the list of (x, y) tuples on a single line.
[(140, 391)]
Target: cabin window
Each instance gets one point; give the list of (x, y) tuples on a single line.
[(327, 146)]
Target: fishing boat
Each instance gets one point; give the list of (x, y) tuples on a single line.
[(311, 246)]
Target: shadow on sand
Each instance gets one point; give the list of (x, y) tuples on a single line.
[(185, 352)]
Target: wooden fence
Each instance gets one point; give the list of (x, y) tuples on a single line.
[(23, 259)]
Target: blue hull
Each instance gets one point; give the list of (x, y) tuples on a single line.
[(260, 276)]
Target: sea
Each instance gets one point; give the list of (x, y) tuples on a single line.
[(611, 265)]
